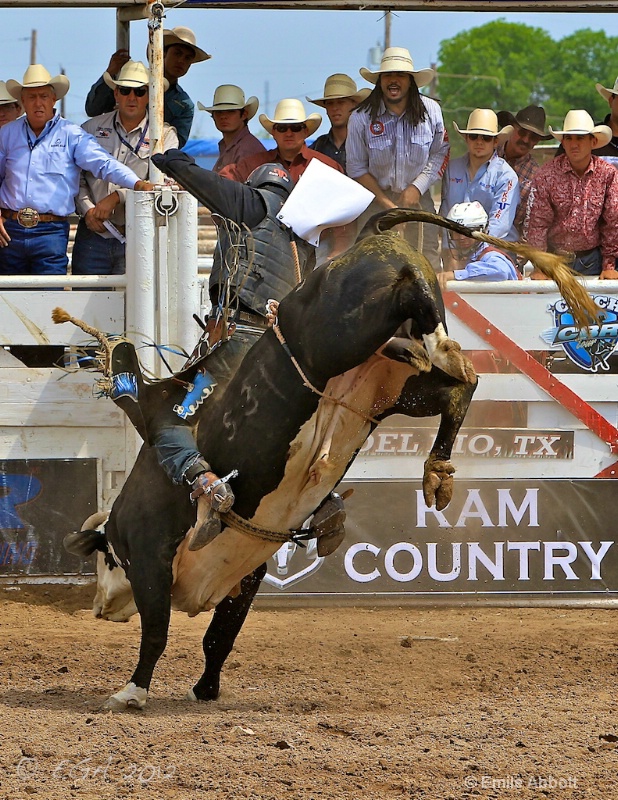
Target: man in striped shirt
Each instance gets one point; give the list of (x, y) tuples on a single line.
[(397, 145)]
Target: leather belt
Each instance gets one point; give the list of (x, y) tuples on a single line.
[(251, 319), (30, 217), (584, 253)]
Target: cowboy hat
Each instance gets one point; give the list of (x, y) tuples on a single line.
[(291, 111), (578, 123), (231, 98), (485, 122), (398, 59), (182, 35), (607, 93), (5, 97), (35, 76), (132, 74), (530, 118), (338, 87)]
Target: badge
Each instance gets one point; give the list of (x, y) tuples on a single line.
[(376, 128)]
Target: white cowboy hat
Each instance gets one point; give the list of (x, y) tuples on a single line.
[(578, 123), (182, 35), (231, 98), (5, 97), (398, 59), (291, 111), (485, 122), (35, 76), (340, 86), (607, 93), (132, 74)]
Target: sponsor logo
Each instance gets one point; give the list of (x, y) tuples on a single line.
[(284, 574), (16, 490), (590, 347)]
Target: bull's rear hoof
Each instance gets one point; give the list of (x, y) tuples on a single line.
[(202, 694), (130, 698)]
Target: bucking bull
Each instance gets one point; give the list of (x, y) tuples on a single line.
[(302, 403)]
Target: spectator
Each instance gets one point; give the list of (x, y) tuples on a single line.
[(573, 203), (340, 99), (482, 175), (10, 108), (528, 130), (40, 161), (123, 133), (609, 152), (397, 145), (179, 52), (289, 127), (471, 260), (231, 114)]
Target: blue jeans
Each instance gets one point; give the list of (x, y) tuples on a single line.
[(94, 255), (41, 250), (173, 440), (589, 263)]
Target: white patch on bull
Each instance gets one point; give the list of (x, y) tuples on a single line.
[(446, 354), (114, 598), (317, 459)]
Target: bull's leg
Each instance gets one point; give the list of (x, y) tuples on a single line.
[(219, 639), (430, 395), (154, 608)]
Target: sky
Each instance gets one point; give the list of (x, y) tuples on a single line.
[(270, 54)]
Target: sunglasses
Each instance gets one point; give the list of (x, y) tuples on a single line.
[(138, 91), (474, 136), (297, 127)]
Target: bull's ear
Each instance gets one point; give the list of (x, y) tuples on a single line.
[(84, 543)]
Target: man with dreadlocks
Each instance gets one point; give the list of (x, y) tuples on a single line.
[(397, 145)]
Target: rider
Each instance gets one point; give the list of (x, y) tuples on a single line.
[(260, 261), (469, 259)]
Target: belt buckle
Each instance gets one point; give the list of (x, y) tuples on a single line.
[(28, 217)]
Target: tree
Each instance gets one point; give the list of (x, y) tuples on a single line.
[(585, 58), (500, 65)]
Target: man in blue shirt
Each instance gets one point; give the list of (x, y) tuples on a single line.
[(41, 156), (179, 52), (483, 176)]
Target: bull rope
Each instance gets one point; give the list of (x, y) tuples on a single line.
[(309, 385)]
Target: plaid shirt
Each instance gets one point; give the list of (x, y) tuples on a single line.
[(524, 168), (572, 214)]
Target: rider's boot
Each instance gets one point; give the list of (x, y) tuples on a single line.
[(212, 498)]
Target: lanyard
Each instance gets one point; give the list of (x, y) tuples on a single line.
[(44, 133), (128, 144)]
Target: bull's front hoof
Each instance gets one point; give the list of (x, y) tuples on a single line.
[(438, 484), (203, 693), (132, 697)]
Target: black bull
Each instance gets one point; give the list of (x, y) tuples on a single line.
[(290, 444)]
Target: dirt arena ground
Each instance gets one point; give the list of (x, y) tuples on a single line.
[(423, 703)]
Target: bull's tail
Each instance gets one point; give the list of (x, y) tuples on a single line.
[(90, 538), (553, 266)]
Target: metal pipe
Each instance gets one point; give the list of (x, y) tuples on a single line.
[(155, 101), (63, 281), (123, 34), (188, 302)]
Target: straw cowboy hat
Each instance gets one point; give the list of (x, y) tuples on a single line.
[(5, 97), (133, 74), (182, 35), (291, 111), (578, 123), (398, 59), (530, 118), (607, 93), (35, 76), (485, 122), (338, 87), (231, 98)]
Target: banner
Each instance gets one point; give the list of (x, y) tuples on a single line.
[(40, 502), (517, 540)]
